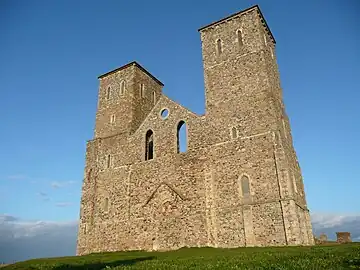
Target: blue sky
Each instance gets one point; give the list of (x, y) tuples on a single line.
[(51, 53)]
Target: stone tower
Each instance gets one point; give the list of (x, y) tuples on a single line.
[(239, 182), (243, 92), (126, 96)]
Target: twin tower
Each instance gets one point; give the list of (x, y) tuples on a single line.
[(237, 184)]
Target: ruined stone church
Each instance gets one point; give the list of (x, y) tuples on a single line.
[(237, 184)]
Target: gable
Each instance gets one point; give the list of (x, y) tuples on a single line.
[(176, 113), (164, 193), (164, 129)]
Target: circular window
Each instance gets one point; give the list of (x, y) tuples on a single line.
[(164, 113)]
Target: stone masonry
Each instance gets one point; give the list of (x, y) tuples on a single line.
[(343, 237), (239, 182)]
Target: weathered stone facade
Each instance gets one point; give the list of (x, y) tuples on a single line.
[(239, 182), (343, 237)]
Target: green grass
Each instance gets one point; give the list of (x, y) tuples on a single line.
[(329, 257)]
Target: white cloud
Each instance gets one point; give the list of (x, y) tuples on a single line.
[(331, 223), (57, 184), (17, 177), (331, 220), (22, 240), (36, 180), (63, 204)]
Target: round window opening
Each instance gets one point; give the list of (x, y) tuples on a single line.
[(164, 113)]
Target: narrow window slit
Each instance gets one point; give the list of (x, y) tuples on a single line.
[(234, 133), (122, 88), (142, 90), (239, 38), (154, 98), (245, 185), (106, 204), (218, 46), (108, 92), (108, 161), (149, 145)]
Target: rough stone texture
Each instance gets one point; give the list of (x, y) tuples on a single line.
[(323, 238), (343, 237), (196, 198)]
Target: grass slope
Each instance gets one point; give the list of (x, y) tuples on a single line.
[(318, 257)]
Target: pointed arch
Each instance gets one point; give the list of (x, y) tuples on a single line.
[(149, 145), (181, 137), (219, 46)]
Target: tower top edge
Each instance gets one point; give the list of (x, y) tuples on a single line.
[(133, 63), (237, 14)]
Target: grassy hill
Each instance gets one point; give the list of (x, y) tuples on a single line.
[(327, 257)]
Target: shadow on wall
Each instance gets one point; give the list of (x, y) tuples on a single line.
[(103, 265)]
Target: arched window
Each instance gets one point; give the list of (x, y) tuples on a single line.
[(181, 137), (234, 132), (122, 87), (218, 46), (245, 186), (239, 38), (149, 145), (108, 92), (142, 90)]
